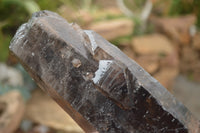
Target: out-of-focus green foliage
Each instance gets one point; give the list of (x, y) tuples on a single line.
[(15, 12), (77, 4), (49, 4), (120, 40), (142, 29), (106, 16), (12, 14), (197, 11), (4, 42), (135, 5), (53, 5), (179, 7)]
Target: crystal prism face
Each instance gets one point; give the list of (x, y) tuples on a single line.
[(100, 87)]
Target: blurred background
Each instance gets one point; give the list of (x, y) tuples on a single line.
[(162, 36)]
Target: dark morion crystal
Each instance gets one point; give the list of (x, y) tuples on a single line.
[(93, 81)]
